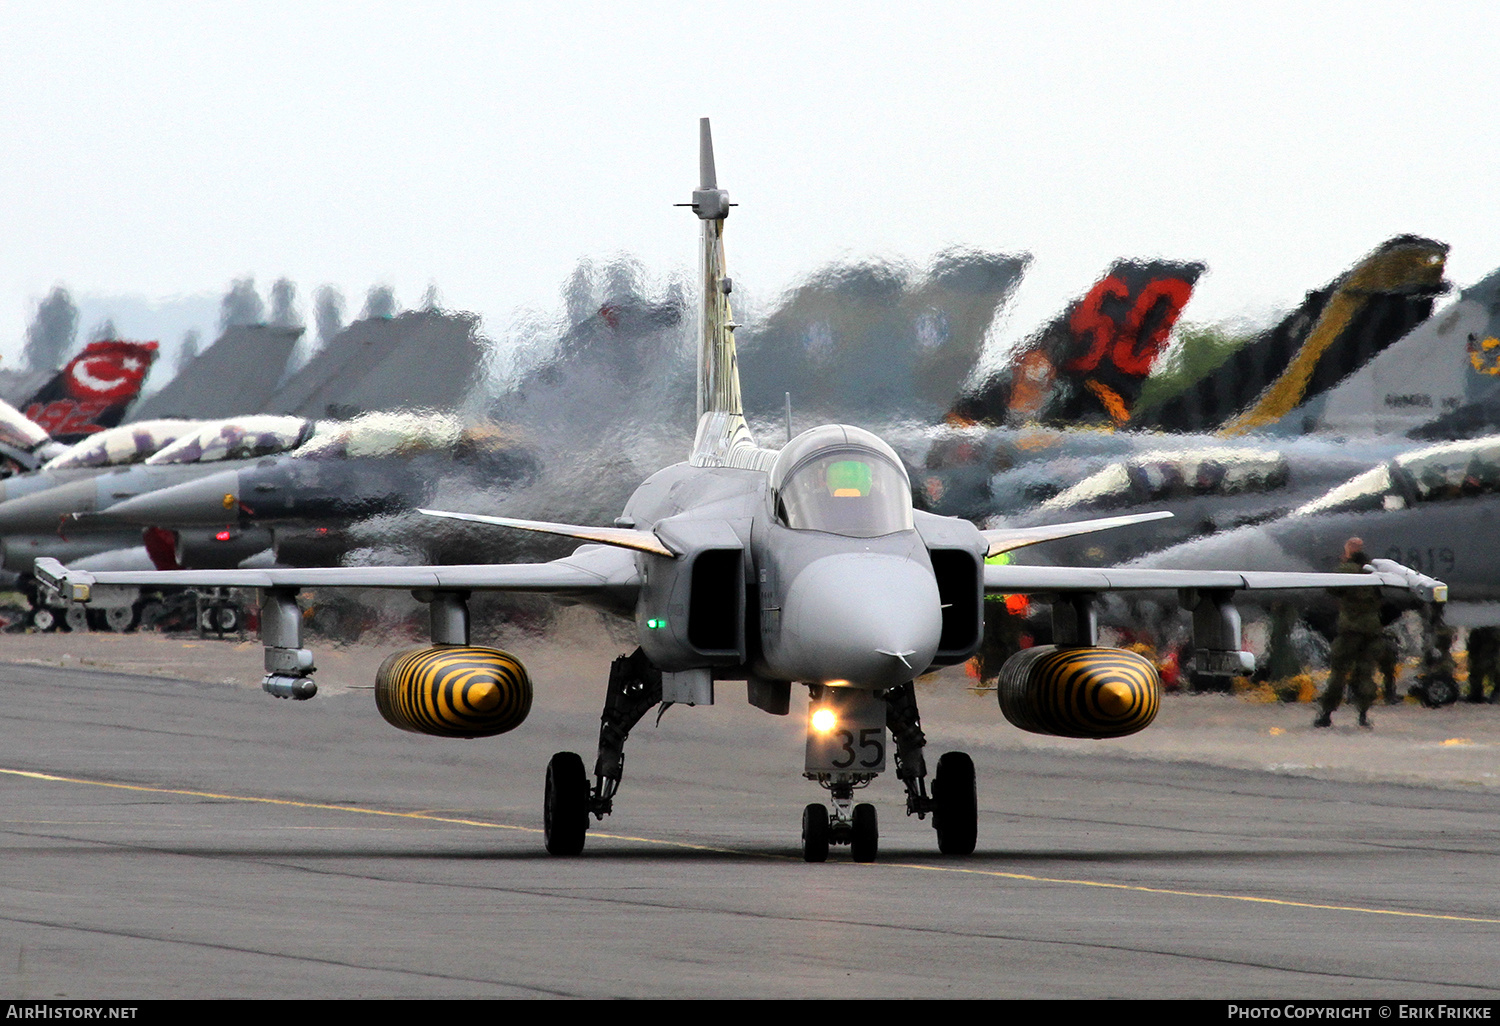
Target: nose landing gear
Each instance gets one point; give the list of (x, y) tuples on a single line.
[(846, 745), (856, 826)]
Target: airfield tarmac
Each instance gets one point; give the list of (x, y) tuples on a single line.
[(171, 831)]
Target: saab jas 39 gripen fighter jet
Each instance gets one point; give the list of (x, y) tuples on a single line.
[(804, 566)]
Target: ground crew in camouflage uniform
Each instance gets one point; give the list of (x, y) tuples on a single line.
[(1390, 651), (1358, 645)]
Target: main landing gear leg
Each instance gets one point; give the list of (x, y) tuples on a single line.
[(954, 801), (634, 688), (905, 725)]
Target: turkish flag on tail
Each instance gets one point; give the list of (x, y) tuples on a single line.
[(93, 391)]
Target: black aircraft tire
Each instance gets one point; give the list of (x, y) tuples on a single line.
[(864, 842), (955, 800), (45, 619), (815, 833), (565, 805), (227, 619), (1439, 692)]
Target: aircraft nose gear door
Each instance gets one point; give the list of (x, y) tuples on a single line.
[(846, 746)]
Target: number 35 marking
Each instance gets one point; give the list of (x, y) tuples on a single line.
[(871, 745)]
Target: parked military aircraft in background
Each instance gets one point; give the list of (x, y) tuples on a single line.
[(56, 519), (1337, 330), (305, 495), (876, 342), (1087, 366), (416, 360), (978, 472), (91, 392), (1362, 422), (24, 446), (1209, 489), (806, 565), (1441, 382), (1433, 509), (235, 376), (97, 453)]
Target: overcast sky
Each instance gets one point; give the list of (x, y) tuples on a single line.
[(160, 150)]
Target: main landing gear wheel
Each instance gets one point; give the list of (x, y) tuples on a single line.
[(565, 807), (226, 619), (815, 833), (76, 618), (119, 618), (955, 804), (1438, 692), (44, 619), (864, 838)]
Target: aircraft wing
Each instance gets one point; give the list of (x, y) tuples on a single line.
[(1003, 539), (1381, 572), (581, 573)]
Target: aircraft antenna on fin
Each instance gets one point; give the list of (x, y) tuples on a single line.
[(723, 439)]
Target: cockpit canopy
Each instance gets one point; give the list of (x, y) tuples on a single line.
[(17, 431), (1454, 470), (842, 480), (393, 433), (1169, 476), (243, 438), (123, 445)]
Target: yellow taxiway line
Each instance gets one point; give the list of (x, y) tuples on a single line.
[(912, 866)]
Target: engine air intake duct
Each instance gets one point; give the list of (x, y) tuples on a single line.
[(453, 691), (1079, 692)]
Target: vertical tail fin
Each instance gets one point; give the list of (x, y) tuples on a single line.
[(723, 439), (93, 391), (1089, 364)]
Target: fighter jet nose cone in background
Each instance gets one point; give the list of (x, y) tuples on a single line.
[(869, 619), (210, 501), (43, 510)]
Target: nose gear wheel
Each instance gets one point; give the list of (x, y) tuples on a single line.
[(815, 833), (864, 834)]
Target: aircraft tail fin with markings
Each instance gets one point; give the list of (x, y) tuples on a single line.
[(1088, 364), (1336, 331), (1440, 382), (723, 438), (93, 390)]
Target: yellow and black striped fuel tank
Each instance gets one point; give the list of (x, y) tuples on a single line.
[(453, 691), (1079, 692)]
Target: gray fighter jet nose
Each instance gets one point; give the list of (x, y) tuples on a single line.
[(869, 619), (210, 501)]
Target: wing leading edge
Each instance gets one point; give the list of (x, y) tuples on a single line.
[(1379, 573), (580, 574)]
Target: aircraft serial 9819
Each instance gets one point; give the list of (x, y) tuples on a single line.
[(806, 565)]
